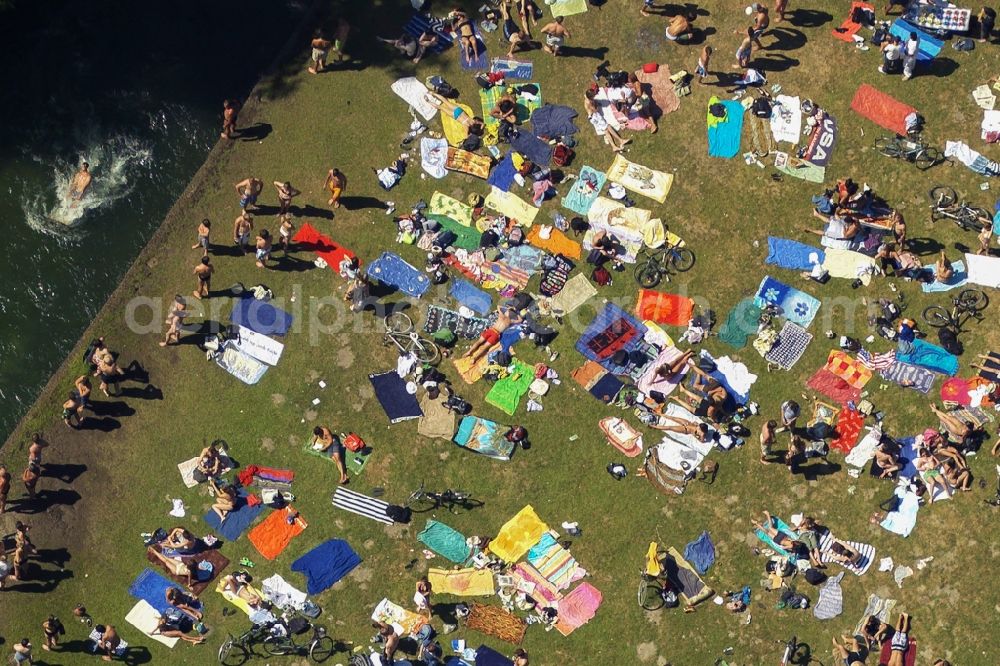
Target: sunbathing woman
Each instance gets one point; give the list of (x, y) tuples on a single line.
[(225, 499), (238, 585), (182, 602), (674, 368), (841, 552), (958, 477), (945, 451), (473, 123), (849, 651), (928, 465), (180, 539), (959, 431), (887, 459), (700, 431), (175, 566), (783, 539), (988, 367), (464, 28)]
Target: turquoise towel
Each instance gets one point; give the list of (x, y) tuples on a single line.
[(445, 541), (931, 357), (724, 137), (782, 527)]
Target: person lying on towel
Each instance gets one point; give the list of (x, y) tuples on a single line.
[(784, 540), (842, 553), (674, 424), (903, 263), (181, 541), (706, 397), (837, 228)]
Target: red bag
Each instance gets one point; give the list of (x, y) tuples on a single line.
[(354, 443), (650, 68), (562, 155)]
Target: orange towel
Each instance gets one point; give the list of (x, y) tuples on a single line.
[(882, 109), (272, 535), (557, 243), (669, 309), (850, 28)]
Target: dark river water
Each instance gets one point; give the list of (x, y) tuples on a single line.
[(135, 89)]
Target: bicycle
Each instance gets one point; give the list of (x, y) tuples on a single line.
[(399, 331), (652, 582), (969, 304), (792, 657), (236, 651), (662, 263), (945, 206), (422, 500), (915, 151)]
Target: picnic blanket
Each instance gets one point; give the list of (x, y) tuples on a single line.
[(786, 119), (796, 306), (909, 376), (472, 371), (640, 179), (261, 347), (577, 608), (597, 381), (151, 587), (146, 618), (983, 270), (834, 387), (554, 562), (391, 393), (930, 356), (362, 505), (484, 437), (445, 541), (470, 296), (326, 564), (959, 279), (662, 308), (273, 534), (462, 582), (621, 435), (513, 69), (909, 659), (848, 430), (391, 269), (239, 364), (849, 27), (531, 147), (882, 109), (309, 238), (567, 7), (791, 254), (236, 521), (438, 422), (553, 120), (660, 89), (585, 190), (502, 177), (852, 371), (507, 392), (518, 535), (531, 579), (406, 622), (684, 579), (414, 93), (555, 243), (433, 156), (929, 46), (700, 553), (724, 134), (791, 345), (260, 316), (903, 518), (442, 204), (497, 622), (205, 573), (577, 291), (612, 330), (525, 104), (849, 265), (866, 550), (741, 322), (454, 130), (511, 205), (799, 168), (468, 163)]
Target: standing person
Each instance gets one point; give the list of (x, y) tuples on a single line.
[(230, 112), (790, 411), (910, 51), (795, 454), (285, 195), (30, 478), (242, 228), (891, 55), (263, 248), (987, 18), (744, 51), (17, 563), (320, 47), (72, 409), (761, 22), (702, 69), (340, 34), (108, 371), (35, 449), (390, 641), (80, 183), (174, 320), (422, 597), (325, 440), (22, 652), (285, 232), (204, 232), (898, 229), (203, 271), (984, 237), (4, 487), (249, 189), (108, 642), (52, 629), (780, 7), (679, 28), (555, 36), (336, 183), (767, 439)]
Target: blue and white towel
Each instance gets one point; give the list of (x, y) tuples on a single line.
[(796, 306)]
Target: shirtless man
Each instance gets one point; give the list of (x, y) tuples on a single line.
[(263, 246), (555, 36), (203, 271), (249, 189), (942, 269), (760, 24), (324, 440), (80, 183), (108, 372), (35, 449), (108, 642), (335, 183), (491, 336), (767, 440), (390, 640), (320, 48), (30, 478), (204, 233), (242, 228), (230, 112), (174, 320), (4, 487), (285, 195)]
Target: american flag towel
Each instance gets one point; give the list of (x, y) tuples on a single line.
[(882, 361)]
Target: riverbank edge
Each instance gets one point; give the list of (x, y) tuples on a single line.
[(38, 416)]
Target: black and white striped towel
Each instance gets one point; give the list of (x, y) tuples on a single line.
[(867, 554), (369, 507)]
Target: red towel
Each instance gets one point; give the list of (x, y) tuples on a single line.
[(850, 28), (833, 386), (309, 238), (883, 110), (848, 428), (272, 535), (909, 659), (669, 309), (246, 474)]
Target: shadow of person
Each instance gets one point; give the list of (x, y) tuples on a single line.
[(136, 655), (39, 580), (134, 372), (360, 203), (808, 18), (111, 408), (813, 471), (57, 556), (583, 52), (255, 132), (309, 210), (773, 62), (46, 498), (106, 424), (922, 246), (65, 472), (291, 264), (148, 392), (785, 39)]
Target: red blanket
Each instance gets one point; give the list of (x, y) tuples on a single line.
[(246, 474), (848, 428), (909, 659), (849, 27), (883, 110), (309, 238), (669, 309), (833, 386)]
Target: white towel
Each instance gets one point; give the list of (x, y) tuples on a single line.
[(281, 593), (145, 618), (735, 376), (984, 271), (433, 156), (865, 449), (786, 119), (414, 93), (991, 122)]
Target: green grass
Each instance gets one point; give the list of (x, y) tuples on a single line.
[(351, 119)]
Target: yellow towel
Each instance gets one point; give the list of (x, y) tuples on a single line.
[(455, 131), (511, 205), (518, 535), (640, 179), (239, 602), (462, 582)]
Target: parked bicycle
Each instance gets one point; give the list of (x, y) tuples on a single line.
[(915, 151), (653, 266), (278, 639), (399, 331), (653, 587), (422, 500), (969, 304), (945, 206)]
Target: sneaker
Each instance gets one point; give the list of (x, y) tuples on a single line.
[(881, 70)]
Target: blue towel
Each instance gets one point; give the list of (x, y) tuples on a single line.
[(152, 587), (533, 148), (553, 120), (502, 177), (930, 356), (514, 69), (325, 564), (960, 277), (724, 138), (260, 316), (907, 454), (791, 254), (392, 270), (929, 46), (489, 657), (480, 63), (470, 296), (399, 405), (421, 23), (796, 306), (585, 190), (236, 521), (700, 553)]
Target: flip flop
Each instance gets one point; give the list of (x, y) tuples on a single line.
[(246, 562)]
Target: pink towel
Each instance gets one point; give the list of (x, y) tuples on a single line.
[(577, 607)]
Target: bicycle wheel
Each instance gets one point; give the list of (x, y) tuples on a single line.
[(973, 300), (984, 218), (648, 274), (650, 594), (232, 653), (888, 146), (426, 351), (682, 259), (937, 316), (938, 214), (398, 322), (968, 219), (321, 649), (943, 196), (927, 158), (420, 502), (278, 645)]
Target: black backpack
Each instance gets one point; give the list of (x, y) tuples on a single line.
[(761, 107), (472, 143), (950, 342), (814, 576), (718, 110), (398, 514)]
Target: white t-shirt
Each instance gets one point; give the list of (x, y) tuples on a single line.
[(420, 600), (912, 48)]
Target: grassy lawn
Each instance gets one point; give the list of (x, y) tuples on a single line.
[(122, 479)]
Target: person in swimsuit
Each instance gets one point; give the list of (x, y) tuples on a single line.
[(679, 28), (900, 641), (230, 113), (520, 657), (760, 25), (744, 51), (777, 536), (22, 652), (528, 11), (225, 499), (285, 232), (491, 336), (511, 33), (174, 320), (52, 628), (204, 232), (108, 371), (422, 597), (780, 7), (324, 440), (555, 36), (249, 189), (182, 602), (985, 237), (505, 109), (668, 370), (463, 27), (943, 270), (80, 183), (238, 585), (203, 271), (285, 195), (474, 124), (927, 465), (242, 228), (172, 628), (887, 459), (336, 183), (30, 477), (700, 431), (701, 71), (263, 245), (320, 47), (38, 444), (180, 539), (108, 642), (848, 651), (4, 489), (410, 47), (898, 228), (988, 366), (72, 409), (600, 123), (842, 553)]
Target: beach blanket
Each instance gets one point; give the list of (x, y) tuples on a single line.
[(669, 309), (903, 518), (612, 330), (354, 461), (553, 120), (511, 205), (554, 562), (733, 375), (621, 435), (273, 534), (468, 163), (791, 254), (484, 437), (786, 119), (866, 550), (633, 226), (530, 579), (684, 579), (852, 371), (577, 291), (597, 381), (499, 275), (525, 104), (909, 659), (585, 190), (239, 364), (146, 618), (260, 316), (865, 449), (442, 204), (741, 322), (414, 93), (567, 7), (833, 387), (362, 505), (236, 600), (556, 243), (502, 177), (577, 608), (661, 89), (782, 527), (640, 179), (513, 69), (882, 109), (791, 345), (391, 393), (983, 271), (405, 622), (281, 593), (392, 270), (470, 296), (438, 422), (433, 156), (724, 134), (799, 168), (796, 306), (466, 238), (849, 265), (929, 46), (264, 349), (959, 279), (507, 392), (467, 328), (480, 63), (236, 521), (462, 582), (533, 148), (472, 371), (849, 27), (151, 587), (932, 357), (309, 238), (420, 23), (523, 258), (831, 599), (518, 535), (909, 376), (497, 622), (204, 573), (700, 553), (847, 429), (445, 541), (454, 130)]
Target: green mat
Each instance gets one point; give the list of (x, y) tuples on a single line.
[(468, 237), (354, 461), (803, 170), (525, 107), (507, 392), (740, 324), (445, 541)]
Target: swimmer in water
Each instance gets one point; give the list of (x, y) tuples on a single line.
[(80, 183)]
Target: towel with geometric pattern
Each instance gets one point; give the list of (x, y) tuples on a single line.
[(791, 345)]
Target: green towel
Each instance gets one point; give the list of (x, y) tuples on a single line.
[(741, 323), (354, 461), (507, 392), (468, 237), (445, 541), (525, 106)]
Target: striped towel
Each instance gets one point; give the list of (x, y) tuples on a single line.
[(554, 562), (539, 585), (867, 554), (369, 507), (879, 361)]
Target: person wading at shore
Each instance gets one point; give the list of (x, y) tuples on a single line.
[(242, 228), (249, 189), (230, 112), (80, 183), (203, 271)]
